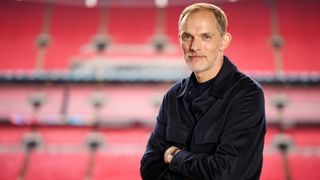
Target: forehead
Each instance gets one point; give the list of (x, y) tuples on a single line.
[(199, 20)]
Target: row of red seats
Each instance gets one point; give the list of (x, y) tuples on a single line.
[(119, 159), (140, 102), (73, 27), (302, 136), (73, 166)]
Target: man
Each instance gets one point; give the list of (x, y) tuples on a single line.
[(211, 126)]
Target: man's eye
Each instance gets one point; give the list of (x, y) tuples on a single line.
[(186, 37), (206, 37)]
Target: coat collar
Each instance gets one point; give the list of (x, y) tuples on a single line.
[(220, 83)]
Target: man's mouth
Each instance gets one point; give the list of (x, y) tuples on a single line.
[(195, 57)]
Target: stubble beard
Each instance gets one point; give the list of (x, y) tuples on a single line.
[(198, 67)]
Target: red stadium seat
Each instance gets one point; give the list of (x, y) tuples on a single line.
[(70, 136), (305, 137), (12, 135), (117, 166), (305, 166), (60, 165), (10, 165)]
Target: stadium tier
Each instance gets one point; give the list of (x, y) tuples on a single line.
[(63, 153), (72, 29), (73, 104)]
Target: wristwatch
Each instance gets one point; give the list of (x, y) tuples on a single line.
[(172, 154)]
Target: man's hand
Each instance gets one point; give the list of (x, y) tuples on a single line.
[(170, 153)]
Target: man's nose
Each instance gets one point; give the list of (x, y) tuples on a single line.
[(195, 45)]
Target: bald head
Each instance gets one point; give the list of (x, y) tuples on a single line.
[(217, 12)]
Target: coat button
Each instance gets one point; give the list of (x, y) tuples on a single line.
[(197, 115)]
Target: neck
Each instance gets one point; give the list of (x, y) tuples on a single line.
[(210, 73)]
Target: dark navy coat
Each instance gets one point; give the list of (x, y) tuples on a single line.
[(221, 132)]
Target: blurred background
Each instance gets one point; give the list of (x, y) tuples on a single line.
[(81, 82)]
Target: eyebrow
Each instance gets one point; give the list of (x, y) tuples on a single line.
[(207, 33), (204, 33), (185, 33)]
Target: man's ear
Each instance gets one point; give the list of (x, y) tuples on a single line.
[(226, 39), (179, 39)]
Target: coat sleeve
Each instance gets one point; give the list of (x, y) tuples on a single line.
[(152, 166), (239, 153)]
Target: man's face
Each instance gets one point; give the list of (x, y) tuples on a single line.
[(200, 41)]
